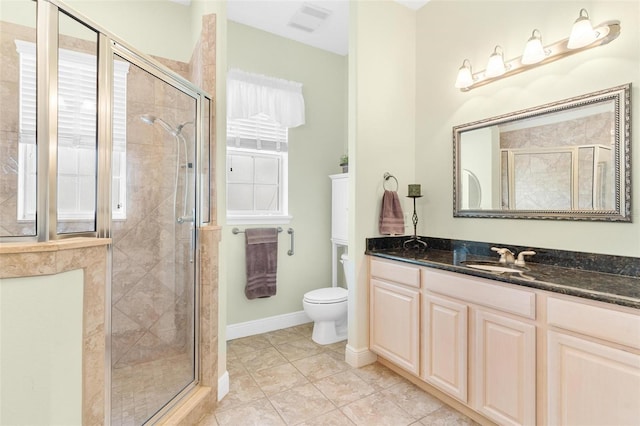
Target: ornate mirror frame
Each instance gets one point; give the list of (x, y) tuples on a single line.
[(620, 211)]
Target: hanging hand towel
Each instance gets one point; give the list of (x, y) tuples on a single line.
[(262, 262), (391, 217)]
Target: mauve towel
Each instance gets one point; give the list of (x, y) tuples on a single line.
[(391, 217), (262, 262)]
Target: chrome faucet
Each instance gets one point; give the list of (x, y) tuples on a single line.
[(521, 255), (506, 255)]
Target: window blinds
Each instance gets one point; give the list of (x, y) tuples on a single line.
[(258, 132), (77, 100), (77, 83)]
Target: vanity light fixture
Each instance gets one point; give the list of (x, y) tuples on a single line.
[(583, 36)]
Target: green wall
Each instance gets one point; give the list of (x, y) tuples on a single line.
[(41, 349), (447, 33), (314, 153), (154, 27), (382, 75)]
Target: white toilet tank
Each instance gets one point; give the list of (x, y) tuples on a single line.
[(347, 266)]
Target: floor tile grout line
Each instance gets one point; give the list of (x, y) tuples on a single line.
[(309, 381)]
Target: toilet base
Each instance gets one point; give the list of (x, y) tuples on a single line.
[(327, 332)]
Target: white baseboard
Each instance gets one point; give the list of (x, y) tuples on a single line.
[(265, 325), (223, 386), (359, 357)]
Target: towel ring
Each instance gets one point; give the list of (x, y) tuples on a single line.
[(388, 176)]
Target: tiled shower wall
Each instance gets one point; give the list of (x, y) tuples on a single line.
[(152, 295), (139, 334), (552, 171)]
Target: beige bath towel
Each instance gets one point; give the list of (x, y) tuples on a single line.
[(391, 217), (262, 262)]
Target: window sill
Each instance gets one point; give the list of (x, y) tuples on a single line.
[(259, 220)]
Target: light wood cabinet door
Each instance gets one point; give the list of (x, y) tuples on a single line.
[(394, 324), (591, 383), (444, 347), (505, 369)]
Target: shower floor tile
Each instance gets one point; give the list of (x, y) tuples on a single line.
[(135, 394), (309, 384)]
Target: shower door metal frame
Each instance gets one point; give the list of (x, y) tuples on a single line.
[(47, 31), (158, 71)]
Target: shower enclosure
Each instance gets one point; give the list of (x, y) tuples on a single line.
[(152, 291), (99, 140)]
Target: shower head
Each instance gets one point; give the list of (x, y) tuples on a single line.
[(148, 119), (151, 119)]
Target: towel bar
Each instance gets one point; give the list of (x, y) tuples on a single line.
[(236, 231), (388, 176), (290, 231)]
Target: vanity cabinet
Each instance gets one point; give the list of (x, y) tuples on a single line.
[(593, 356), (516, 355), (395, 313), (490, 326)]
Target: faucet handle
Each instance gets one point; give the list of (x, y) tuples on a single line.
[(506, 255), (521, 255)]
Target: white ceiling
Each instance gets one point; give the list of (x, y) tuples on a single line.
[(274, 16)]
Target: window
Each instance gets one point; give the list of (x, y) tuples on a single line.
[(260, 110), (76, 148), (257, 165)]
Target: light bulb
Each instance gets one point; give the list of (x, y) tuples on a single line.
[(533, 51), (582, 32), (495, 66), (465, 78)]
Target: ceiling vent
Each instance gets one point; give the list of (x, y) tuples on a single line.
[(309, 18)]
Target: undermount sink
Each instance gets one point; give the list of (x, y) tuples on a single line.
[(499, 268), (494, 268)]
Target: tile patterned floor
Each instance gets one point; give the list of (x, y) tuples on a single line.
[(284, 378)]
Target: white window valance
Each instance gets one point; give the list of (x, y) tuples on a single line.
[(251, 94)]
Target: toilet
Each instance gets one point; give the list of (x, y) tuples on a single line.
[(327, 307)]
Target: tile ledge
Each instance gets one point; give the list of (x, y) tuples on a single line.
[(193, 407), (49, 246)]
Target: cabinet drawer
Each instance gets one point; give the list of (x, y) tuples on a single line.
[(481, 292), (396, 272), (606, 324)]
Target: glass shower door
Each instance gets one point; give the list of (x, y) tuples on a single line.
[(153, 351)]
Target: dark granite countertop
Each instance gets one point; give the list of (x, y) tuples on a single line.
[(610, 279)]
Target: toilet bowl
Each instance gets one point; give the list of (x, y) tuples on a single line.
[(327, 307)]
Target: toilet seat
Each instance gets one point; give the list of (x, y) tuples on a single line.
[(326, 295)]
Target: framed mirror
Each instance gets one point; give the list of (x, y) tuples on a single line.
[(565, 160)]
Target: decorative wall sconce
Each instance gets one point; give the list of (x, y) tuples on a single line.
[(583, 36)]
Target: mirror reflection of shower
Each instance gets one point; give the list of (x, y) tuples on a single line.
[(176, 132)]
